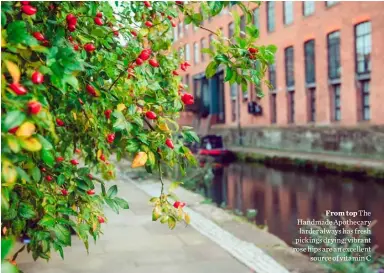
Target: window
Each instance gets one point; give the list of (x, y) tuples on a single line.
[(308, 8), (180, 29), (196, 53), (175, 34), (270, 16), (242, 26), (187, 52), (366, 109), (273, 108), (312, 105), (231, 30), (186, 79), (309, 61), (291, 107), (330, 3), (363, 47), (210, 41), (289, 69), (186, 28), (256, 17), (333, 41), (203, 43), (288, 12), (233, 101), (180, 52), (336, 102), (272, 75), (195, 28)]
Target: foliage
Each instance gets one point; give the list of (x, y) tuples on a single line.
[(82, 81), (345, 247)]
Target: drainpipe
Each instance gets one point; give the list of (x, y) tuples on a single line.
[(239, 118)]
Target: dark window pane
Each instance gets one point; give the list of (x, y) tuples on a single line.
[(334, 55), (273, 108), (309, 61), (272, 75), (289, 68), (312, 105), (291, 107)]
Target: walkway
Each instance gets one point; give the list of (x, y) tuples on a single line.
[(132, 243), (364, 162)]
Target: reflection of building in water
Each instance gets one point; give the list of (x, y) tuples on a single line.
[(282, 202)]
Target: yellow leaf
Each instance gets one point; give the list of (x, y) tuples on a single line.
[(26, 129), (187, 218), (13, 144), (3, 42), (121, 107), (156, 213), (164, 127), (9, 172), (74, 115), (139, 160), (14, 70), (31, 144), (99, 152)]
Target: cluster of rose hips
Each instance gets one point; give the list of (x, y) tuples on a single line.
[(252, 52)]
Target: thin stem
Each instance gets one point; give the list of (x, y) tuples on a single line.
[(149, 124), (161, 178), (120, 75), (17, 253), (211, 31)]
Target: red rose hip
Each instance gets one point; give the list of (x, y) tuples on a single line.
[(59, 159), (13, 130), (98, 21), (169, 143), (49, 178), (91, 90), (59, 122), (74, 162), (110, 138), (89, 47), (107, 113), (150, 115), (28, 10), (90, 192), (100, 219), (147, 4), (139, 61), (34, 107), (38, 36), (188, 99), (18, 89), (179, 204), (64, 192), (37, 77), (99, 14), (148, 24), (154, 63)]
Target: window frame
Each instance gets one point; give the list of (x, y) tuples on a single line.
[(334, 59), (271, 20), (336, 97), (196, 53), (272, 75), (288, 10), (291, 107), (310, 60), (312, 104), (312, 11), (367, 66), (273, 97), (365, 93), (289, 82)]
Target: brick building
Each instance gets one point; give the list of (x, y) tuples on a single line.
[(328, 76)]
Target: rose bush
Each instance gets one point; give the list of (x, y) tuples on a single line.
[(84, 80)]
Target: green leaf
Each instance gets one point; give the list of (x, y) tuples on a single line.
[(13, 119), (210, 71), (23, 174), (71, 80), (45, 143), (62, 234), (36, 174), (61, 179), (47, 157), (171, 222), (190, 136), (26, 211), (47, 221), (67, 211), (112, 204), (197, 19), (221, 58), (215, 7), (121, 203), (17, 33), (6, 247), (174, 185), (228, 74), (112, 191), (121, 123)]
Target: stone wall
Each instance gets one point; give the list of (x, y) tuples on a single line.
[(358, 142)]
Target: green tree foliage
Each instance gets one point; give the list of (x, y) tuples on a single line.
[(84, 80)]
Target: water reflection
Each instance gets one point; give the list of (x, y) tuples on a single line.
[(281, 197)]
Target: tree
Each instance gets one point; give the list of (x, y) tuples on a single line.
[(84, 80)]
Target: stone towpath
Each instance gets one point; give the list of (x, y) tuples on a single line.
[(133, 243)]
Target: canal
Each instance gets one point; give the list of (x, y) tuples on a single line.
[(281, 197)]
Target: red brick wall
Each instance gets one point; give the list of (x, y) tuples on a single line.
[(342, 16)]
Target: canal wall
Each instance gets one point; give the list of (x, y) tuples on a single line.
[(364, 141)]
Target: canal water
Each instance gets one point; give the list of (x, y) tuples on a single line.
[(282, 197)]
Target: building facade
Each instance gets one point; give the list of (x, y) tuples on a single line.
[(328, 76)]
